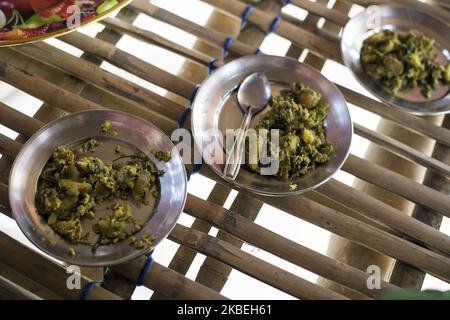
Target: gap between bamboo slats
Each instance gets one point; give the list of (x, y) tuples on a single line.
[(398, 184), (402, 149)]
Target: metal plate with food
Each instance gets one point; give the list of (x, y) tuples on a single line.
[(311, 115), (401, 55), (97, 187), (25, 21)]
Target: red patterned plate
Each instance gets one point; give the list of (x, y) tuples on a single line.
[(25, 21)]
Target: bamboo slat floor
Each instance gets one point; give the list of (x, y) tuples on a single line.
[(69, 84)]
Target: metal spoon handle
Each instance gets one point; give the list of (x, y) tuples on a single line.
[(233, 163)]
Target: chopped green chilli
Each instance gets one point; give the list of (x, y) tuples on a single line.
[(401, 62), (299, 115)]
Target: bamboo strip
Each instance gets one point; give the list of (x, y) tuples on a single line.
[(322, 11), (17, 121), (401, 118), (398, 184), (44, 271), (27, 283), (4, 199), (436, 11), (160, 279), (213, 273), (212, 36), (407, 275), (379, 211), (184, 256), (130, 63), (152, 37), (104, 79), (301, 38), (357, 231), (260, 237), (364, 234), (11, 291), (251, 265), (282, 206), (319, 31), (46, 91), (9, 146), (402, 149), (168, 282)]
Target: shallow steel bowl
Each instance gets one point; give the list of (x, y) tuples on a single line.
[(401, 19), (215, 109), (137, 133)]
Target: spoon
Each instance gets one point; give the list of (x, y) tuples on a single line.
[(253, 96)]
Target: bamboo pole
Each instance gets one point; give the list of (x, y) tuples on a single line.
[(152, 37), (364, 234), (398, 184), (243, 228), (213, 273), (404, 274), (393, 218), (403, 119), (301, 38), (322, 10), (289, 205), (108, 81), (402, 149), (4, 199), (184, 256), (130, 63), (212, 36), (9, 146), (11, 291), (251, 265), (28, 284), (46, 91), (44, 271), (13, 119)]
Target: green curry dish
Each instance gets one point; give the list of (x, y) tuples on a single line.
[(299, 116), (401, 62), (72, 185)]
